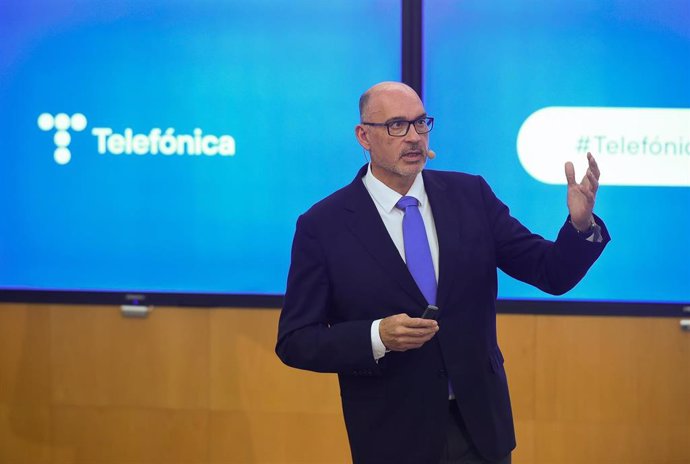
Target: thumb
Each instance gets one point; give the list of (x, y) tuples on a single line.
[(570, 173)]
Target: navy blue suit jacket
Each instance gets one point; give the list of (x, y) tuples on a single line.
[(346, 272)]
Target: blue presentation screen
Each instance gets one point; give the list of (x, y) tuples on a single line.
[(519, 88), (169, 146)]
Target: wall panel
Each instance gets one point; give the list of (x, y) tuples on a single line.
[(84, 385), (25, 387)]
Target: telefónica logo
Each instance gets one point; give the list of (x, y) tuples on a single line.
[(156, 142), (62, 123)]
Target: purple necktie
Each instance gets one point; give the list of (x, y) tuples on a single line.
[(417, 251), (418, 254)]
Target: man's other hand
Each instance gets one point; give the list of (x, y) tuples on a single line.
[(581, 196), (402, 332)]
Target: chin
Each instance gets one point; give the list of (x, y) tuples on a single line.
[(414, 168)]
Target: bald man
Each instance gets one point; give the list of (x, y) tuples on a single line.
[(393, 287)]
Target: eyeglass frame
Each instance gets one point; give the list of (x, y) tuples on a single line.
[(429, 120)]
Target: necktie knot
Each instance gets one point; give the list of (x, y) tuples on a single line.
[(406, 202)]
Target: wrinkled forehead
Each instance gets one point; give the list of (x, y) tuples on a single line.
[(394, 101)]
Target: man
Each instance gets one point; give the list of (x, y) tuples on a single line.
[(366, 263)]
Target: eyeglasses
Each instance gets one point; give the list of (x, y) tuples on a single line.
[(400, 127)]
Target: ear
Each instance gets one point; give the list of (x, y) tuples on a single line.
[(362, 136)]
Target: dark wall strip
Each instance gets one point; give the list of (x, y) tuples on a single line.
[(412, 44)]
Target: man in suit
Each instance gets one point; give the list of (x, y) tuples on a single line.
[(413, 389)]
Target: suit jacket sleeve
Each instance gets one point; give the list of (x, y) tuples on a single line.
[(306, 339), (554, 267)]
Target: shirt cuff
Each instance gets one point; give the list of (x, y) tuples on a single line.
[(378, 349)]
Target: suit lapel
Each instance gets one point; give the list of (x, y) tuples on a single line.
[(447, 222), (365, 223)]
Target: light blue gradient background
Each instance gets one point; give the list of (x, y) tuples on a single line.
[(490, 64), (283, 78)]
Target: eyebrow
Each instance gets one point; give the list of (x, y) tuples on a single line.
[(402, 118)]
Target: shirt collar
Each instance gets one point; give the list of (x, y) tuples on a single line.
[(386, 197)]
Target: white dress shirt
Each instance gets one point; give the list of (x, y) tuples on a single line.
[(385, 199)]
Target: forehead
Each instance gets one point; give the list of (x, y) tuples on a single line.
[(393, 102)]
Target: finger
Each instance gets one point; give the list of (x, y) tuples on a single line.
[(570, 173), (403, 328), (593, 180), (589, 183), (588, 194), (593, 165), (414, 346), (417, 333), (415, 342), (397, 320), (418, 322), (409, 343)]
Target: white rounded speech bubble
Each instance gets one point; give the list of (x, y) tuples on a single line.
[(632, 146)]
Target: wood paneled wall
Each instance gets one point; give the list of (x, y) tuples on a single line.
[(84, 385)]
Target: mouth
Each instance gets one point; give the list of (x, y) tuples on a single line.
[(412, 156)]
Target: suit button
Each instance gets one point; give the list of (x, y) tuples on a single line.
[(442, 373)]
